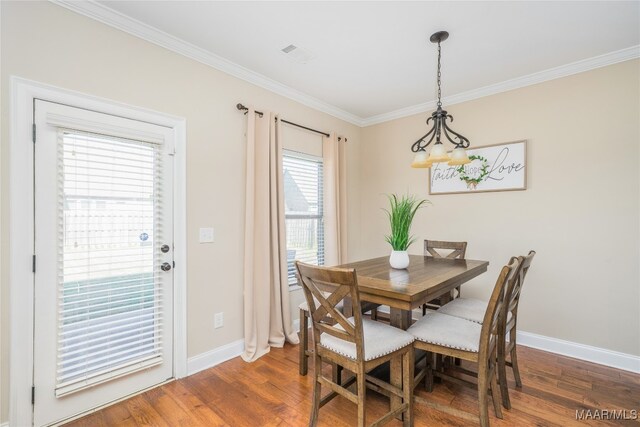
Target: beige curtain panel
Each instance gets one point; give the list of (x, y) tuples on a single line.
[(335, 200), (267, 320)]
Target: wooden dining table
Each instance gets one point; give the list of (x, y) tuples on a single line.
[(426, 278)]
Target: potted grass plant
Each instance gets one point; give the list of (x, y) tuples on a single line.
[(401, 213)]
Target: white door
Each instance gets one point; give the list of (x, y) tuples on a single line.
[(104, 257)]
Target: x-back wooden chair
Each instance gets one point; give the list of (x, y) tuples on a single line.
[(510, 319), (357, 344), (452, 336), (433, 248), (474, 309)]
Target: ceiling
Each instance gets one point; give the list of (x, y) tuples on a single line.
[(374, 58)]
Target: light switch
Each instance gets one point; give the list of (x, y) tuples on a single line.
[(218, 320), (206, 235)]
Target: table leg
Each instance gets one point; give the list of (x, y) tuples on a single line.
[(400, 318), (446, 297), (347, 308)]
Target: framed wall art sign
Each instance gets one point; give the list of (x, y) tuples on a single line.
[(499, 167)]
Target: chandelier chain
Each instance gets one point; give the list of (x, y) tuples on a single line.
[(439, 82)]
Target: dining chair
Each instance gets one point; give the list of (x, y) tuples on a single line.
[(434, 248), (446, 335), (357, 344), (473, 309), (304, 349)]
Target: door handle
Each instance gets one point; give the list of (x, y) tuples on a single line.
[(165, 266)]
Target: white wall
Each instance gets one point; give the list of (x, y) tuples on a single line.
[(580, 211), (49, 44)]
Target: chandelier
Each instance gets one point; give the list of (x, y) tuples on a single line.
[(439, 127)]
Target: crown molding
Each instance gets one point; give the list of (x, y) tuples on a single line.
[(115, 19), (108, 16), (581, 66)]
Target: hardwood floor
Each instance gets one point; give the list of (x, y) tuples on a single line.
[(269, 392)]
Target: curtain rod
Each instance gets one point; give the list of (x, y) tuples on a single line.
[(260, 113)]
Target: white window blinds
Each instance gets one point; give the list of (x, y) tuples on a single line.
[(109, 291), (303, 210)]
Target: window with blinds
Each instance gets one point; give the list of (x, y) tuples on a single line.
[(303, 192), (109, 321)]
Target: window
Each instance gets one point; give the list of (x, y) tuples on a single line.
[(303, 210)]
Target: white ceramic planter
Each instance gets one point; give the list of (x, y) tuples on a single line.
[(399, 259)]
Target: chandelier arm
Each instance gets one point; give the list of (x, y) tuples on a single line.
[(446, 134), (418, 147), (464, 142), (431, 139)]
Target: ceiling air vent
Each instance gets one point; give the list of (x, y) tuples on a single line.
[(298, 54), (289, 48)]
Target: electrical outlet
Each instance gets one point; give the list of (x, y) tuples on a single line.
[(206, 235), (218, 320)]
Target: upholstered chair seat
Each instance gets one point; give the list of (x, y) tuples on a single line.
[(447, 331), (467, 308), (379, 340)]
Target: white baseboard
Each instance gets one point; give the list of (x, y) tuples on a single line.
[(214, 357), (585, 352)]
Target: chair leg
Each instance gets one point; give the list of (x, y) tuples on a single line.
[(495, 394), (407, 386), (303, 365), (502, 371), (439, 366), (428, 378), (424, 309), (374, 314), (514, 357), (483, 388), (362, 390), (317, 388), (336, 373)]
